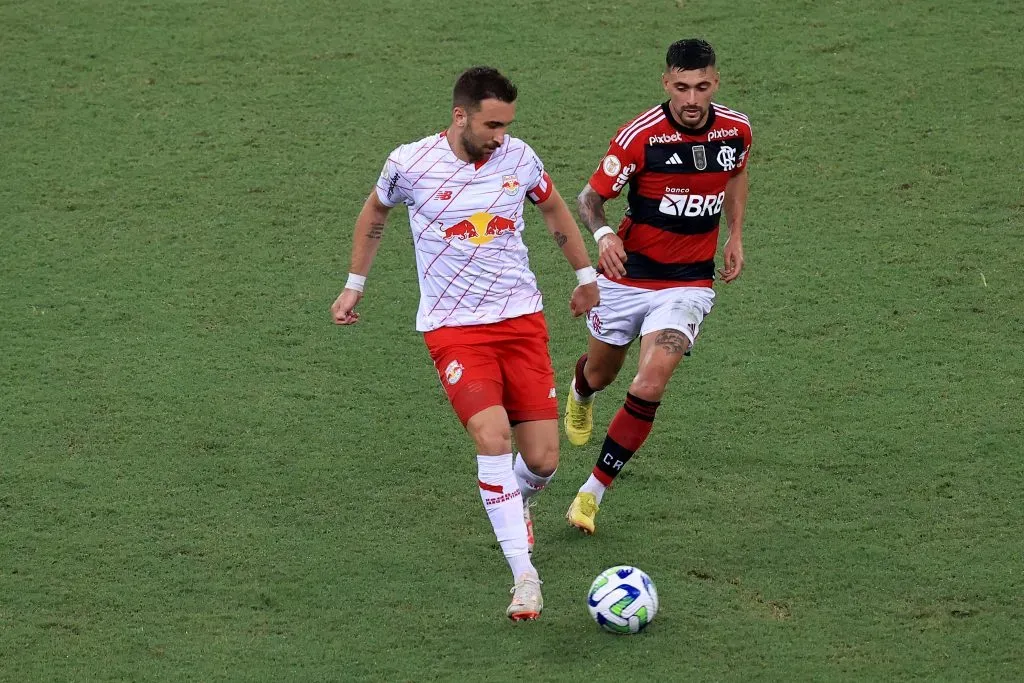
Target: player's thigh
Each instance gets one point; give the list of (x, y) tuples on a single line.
[(538, 442), (660, 353), (668, 334), (471, 377), (617, 320), (605, 360)]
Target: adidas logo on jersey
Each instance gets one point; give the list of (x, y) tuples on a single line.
[(723, 133), (674, 160)]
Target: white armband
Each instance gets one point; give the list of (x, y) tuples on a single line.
[(356, 282), (586, 275), (602, 231)]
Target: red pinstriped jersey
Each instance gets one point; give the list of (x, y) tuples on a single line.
[(676, 178), (467, 224)]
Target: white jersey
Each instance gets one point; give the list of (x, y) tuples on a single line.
[(467, 224)]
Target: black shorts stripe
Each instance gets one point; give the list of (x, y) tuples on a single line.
[(640, 267)]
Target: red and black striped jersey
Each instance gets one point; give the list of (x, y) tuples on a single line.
[(676, 178)]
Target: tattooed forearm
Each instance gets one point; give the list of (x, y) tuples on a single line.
[(560, 239), (591, 207), (672, 341), (376, 231)]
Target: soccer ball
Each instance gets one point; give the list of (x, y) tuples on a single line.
[(623, 600)]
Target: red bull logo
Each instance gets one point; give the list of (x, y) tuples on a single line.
[(480, 228)]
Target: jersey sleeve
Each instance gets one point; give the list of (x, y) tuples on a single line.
[(392, 188), (538, 182), (748, 139), (618, 166)]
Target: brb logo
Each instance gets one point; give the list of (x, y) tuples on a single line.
[(480, 228), (692, 205)]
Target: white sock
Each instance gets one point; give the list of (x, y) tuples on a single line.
[(581, 399), (504, 505), (594, 486), (530, 484)]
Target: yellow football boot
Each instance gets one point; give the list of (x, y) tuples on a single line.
[(579, 419), (582, 512)]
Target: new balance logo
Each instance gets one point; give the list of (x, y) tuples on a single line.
[(443, 195), (674, 160)]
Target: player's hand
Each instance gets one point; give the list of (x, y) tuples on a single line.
[(733, 257), (611, 256), (342, 310), (584, 297)]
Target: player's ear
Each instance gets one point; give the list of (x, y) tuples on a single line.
[(459, 116)]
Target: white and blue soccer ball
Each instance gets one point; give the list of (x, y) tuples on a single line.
[(623, 600)]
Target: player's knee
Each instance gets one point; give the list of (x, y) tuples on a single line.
[(491, 436), (648, 388), (543, 461)]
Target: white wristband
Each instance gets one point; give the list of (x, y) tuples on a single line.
[(602, 231), (356, 282), (586, 275)]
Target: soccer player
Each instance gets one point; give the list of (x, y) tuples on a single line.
[(480, 309), (684, 162)]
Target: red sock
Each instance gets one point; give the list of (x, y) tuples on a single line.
[(627, 432), (582, 387)]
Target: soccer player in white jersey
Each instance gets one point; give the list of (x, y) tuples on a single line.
[(480, 309)]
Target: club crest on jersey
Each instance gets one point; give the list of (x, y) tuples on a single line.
[(453, 373), (700, 157), (727, 158), (510, 183), (480, 228)]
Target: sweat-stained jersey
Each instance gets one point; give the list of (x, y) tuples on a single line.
[(676, 179), (467, 224)]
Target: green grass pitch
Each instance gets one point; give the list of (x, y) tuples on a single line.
[(202, 479)]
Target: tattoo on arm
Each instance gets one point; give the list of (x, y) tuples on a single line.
[(376, 231), (591, 208), (560, 239), (672, 341)]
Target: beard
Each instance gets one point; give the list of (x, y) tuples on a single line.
[(476, 151), (682, 113)]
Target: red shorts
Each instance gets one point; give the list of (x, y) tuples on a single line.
[(499, 364)]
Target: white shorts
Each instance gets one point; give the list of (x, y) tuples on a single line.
[(627, 312)]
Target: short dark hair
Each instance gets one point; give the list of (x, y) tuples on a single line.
[(480, 83), (689, 54)]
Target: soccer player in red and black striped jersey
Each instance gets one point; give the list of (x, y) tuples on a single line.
[(683, 163)]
